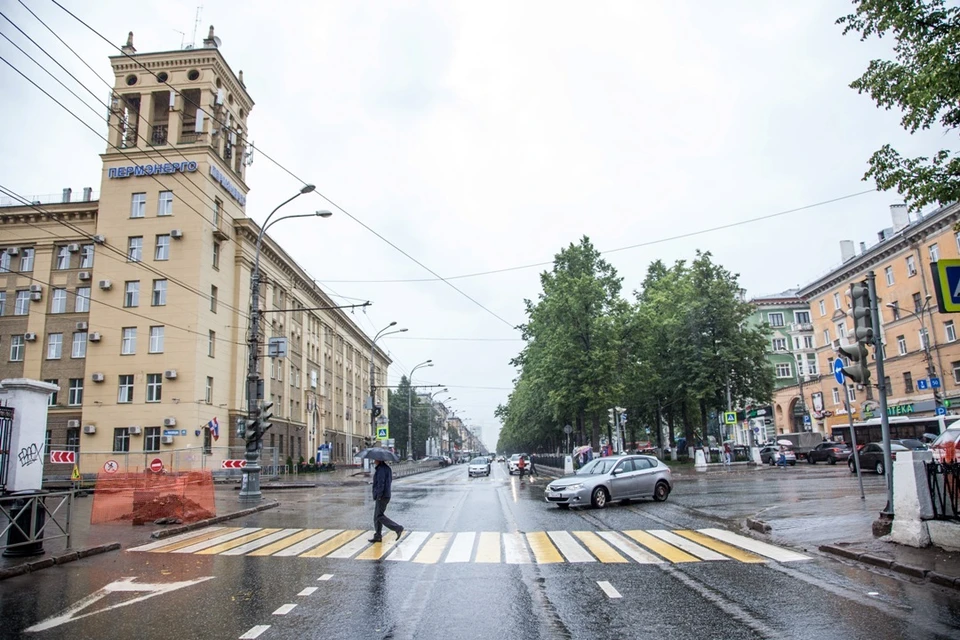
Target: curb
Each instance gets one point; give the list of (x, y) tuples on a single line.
[(888, 563), (199, 524), (758, 525), (63, 558)]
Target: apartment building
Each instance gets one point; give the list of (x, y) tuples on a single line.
[(136, 302)]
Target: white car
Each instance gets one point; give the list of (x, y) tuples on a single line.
[(478, 467), (512, 463)]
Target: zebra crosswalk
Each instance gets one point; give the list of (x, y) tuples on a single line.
[(652, 546)]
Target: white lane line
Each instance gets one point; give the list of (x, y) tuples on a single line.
[(405, 551), (687, 545), (309, 543), (761, 548), (609, 589), (354, 546), (285, 609), (569, 547), (514, 549), (325, 577), (308, 591), (254, 632), (175, 539), (261, 542), (206, 544), (462, 548), (630, 549)]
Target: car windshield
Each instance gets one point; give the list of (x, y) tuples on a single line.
[(515, 457), (913, 444), (897, 447), (482, 461), (950, 435), (597, 467)]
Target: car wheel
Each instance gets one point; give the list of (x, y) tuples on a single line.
[(564, 507), (772, 461), (879, 468), (810, 459), (831, 460), (661, 491), (853, 468), (599, 498), (793, 463)]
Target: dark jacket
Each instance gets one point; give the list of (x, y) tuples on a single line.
[(382, 481)]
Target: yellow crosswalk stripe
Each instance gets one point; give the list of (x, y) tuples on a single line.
[(280, 545), (379, 549), (332, 544), (656, 545), (721, 547), (543, 550), (603, 551), (192, 541), (236, 542), (431, 552), (488, 549)]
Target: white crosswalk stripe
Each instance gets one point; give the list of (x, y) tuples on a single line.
[(309, 543), (515, 549), (206, 544), (687, 545), (760, 548), (462, 548), (407, 549), (631, 550), (261, 542), (569, 547)]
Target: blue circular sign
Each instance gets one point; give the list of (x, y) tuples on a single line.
[(838, 370)]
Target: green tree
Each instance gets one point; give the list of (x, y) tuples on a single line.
[(422, 416), (923, 82)]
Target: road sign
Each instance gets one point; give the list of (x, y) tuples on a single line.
[(277, 348), (567, 429), (730, 417), (946, 281), (941, 411), (838, 370), (935, 383), (76, 473), (806, 419), (111, 466), (64, 457), (383, 433), (923, 384), (233, 464), (171, 432), (156, 465)]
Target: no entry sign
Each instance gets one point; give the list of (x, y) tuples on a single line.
[(64, 457), (233, 464), (156, 465)]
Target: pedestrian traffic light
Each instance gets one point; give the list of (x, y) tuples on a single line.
[(263, 417), (862, 314), (857, 370), (612, 416)]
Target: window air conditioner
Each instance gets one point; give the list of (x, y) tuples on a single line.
[(36, 297), (84, 275), (73, 424), (99, 238), (30, 336), (176, 234), (105, 285), (90, 429), (94, 337), (73, 247), (134, 431), (170, 374), (35, 288), (97, 377), (169, 422), (13, 251), (82, 326), (166, 439)]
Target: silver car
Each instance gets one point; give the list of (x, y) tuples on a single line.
[(606, 479), (478, 467)]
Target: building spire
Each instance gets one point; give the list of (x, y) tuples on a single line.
[(211, 41), (129, 48)]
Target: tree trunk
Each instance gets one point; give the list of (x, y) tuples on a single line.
[(595, 439), (687, 427)]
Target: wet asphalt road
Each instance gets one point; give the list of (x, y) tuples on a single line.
[(234, 596)]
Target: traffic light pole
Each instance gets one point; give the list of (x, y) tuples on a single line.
[(887, 513)]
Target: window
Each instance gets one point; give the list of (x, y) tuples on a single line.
[(924, 338), (79, 345), (934, 251), (212, 343), (888, 385), (4, 261), (163, 247), (131, 294), (823, 308), (154, 386), (802, 317), (217, 209), (121, 439), (830, 365), (75, 393), (841, 330), (128, 345), (949, 329), (908, 382), (902, 345), (776, 319), (808, 342), (216, 255), (156, 340), (26, 259), (81, 303), (955, 365), (895, 308), (213, 298), (73, 439), (159, 298), (54, 346), (22, 305), (208, 395), (911, 266), (138, 205), (52, 398), (836, 396), (851, 393), (125, 389), (3, 303), (783, 370), (826, 336), (779, 344), (165, 204), (836, 301), (135, 249), (59, 302), (917, 303), (86, 256), (812, 365), (63, 257), (151, 440), (888, 272), (16, 348)]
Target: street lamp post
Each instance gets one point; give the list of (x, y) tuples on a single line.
[(425, 363), (373, 385), (433, 416), (250, 485)]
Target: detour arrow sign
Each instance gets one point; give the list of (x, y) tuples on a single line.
[(233, 464), (65, 457)]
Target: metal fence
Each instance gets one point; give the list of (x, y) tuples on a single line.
[(6, 432), (28, 520), (943, 479)]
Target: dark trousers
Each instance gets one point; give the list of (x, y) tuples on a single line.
[(380, 520)]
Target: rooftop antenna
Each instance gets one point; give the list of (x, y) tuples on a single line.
[(182, 36), (196, 25)]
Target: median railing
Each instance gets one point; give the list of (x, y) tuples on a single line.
[(943, 479), (26, 521)]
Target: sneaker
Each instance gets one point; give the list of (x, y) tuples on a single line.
[(375, 540), (399, 532)]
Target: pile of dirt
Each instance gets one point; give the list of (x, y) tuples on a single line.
[(149, 506)]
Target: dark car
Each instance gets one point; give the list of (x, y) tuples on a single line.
[(911, 443), (871, 457), (829, 452)]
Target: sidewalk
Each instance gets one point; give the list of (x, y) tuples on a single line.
[(931, 563)]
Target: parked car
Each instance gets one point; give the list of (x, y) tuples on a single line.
[(479, 466), (605, 480), (942, 451), (829, 452), (769, 455), (911, 443), (871, 457)]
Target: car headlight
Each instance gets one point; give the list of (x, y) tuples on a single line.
[(573, 487)]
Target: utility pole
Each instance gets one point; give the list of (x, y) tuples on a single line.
[(425, 363), (886, 516)]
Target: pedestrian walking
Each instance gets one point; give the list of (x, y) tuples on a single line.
[(382, 484), (521, 466), (533, 467), (727, 453)]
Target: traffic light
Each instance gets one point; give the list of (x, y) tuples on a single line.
[(377, 410), (250, 430), (263, 418), (241, 427), (857, 370), (612, 416), (862, 314)]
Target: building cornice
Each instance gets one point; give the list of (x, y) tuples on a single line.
[(49, 213)]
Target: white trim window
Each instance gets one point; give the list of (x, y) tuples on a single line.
[(934, 252), (154, 387), (165, 203), (82, 302), (156, 339), (924, 338), (134, 248), (125, 388), (159, 293), (75, 394), (54, 346), (902, 345), (823, 308), (131, 293), (3, 303), (79, 345), (86, 256), (58, 304), (826, 337), (163, 247), (128, 343), (26, 259), (836, 396), (208, 391), (851, 393), (841, 330), (911, 266), (138, 205), (802, 317), (784, 370), (888, 272), (950, 331), (836, 302), (63, 257), (808, 342), (16, 348), (779, 344), (5, 261), (21, 305), (775, 319)]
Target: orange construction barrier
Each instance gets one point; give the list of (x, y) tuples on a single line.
[(143, 498)]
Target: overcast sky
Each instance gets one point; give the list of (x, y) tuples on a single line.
[(479, 136)]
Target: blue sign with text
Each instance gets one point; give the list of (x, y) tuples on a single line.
[(923, 384), (941, 411), (935, 383)]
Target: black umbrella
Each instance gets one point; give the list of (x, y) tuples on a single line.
[(379, 453)]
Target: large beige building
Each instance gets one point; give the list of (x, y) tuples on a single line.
[(136, 303)]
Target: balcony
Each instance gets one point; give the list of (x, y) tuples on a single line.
[(158, 134), (801, 326)]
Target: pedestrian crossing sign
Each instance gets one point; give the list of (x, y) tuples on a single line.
[(383, 433), (730, 417), (946, 280), (76, 473)]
